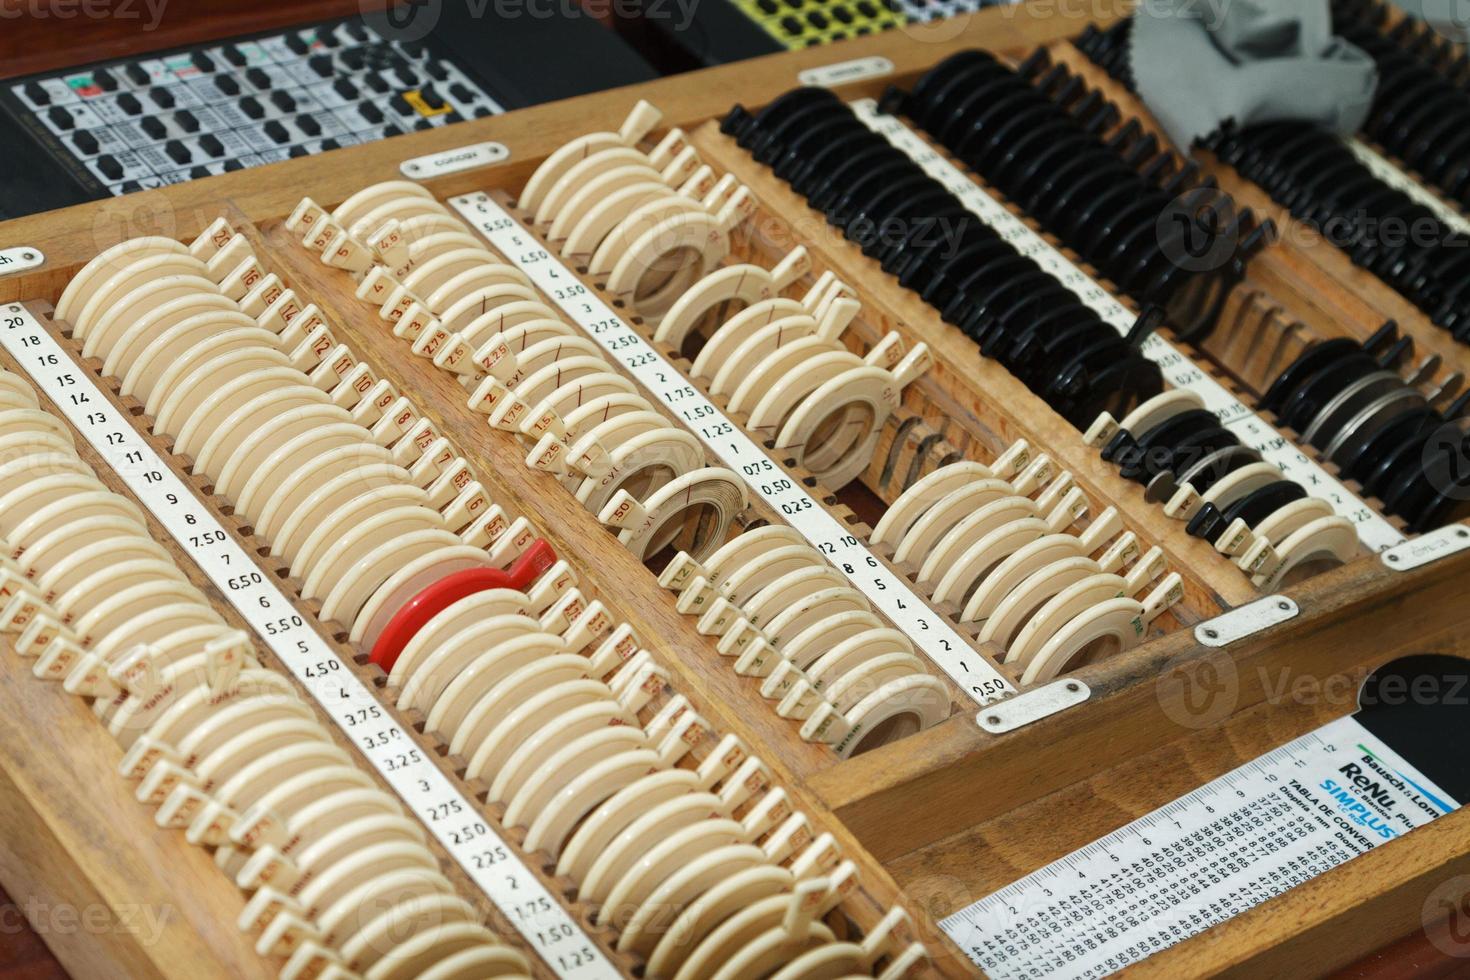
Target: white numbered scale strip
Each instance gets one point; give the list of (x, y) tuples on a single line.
[(449, 815), (1391, 174), (888, 592), (1376, 533), (1248, 836)]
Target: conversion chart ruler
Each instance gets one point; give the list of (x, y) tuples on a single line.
[(449, 815), (1373, 529), (1268, 826), (885, 590)]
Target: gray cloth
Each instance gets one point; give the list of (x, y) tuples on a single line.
[(1197, 63)]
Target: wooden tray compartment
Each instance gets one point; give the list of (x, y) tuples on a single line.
[(912, 447), (856, 785), (1300, 289), (966, 406), (970, 402), (1247, 307), (1313, 284), (660, 629), (924, 433)]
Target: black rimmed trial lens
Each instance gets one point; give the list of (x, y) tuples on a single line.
[(806, 144), (813, 169), (1309, 362), (1320, 388), (826, 192), (1023, 290), (772, 144), (944, 226), (874, 219), (931, 241), (1152, 449), (1209, 522), (1217, 465), (866, 185)]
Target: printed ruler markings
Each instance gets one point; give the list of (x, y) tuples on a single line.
[(889, 593), (1274, 823), (1374, 530), (1391, 174), (452, 818)]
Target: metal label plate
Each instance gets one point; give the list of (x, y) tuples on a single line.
[(455, 160), (20, 259), (846, 72), (1437, 544), (1034, 705), (1247, 620)]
